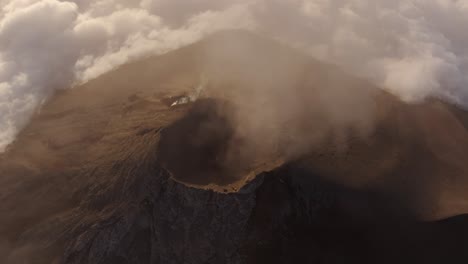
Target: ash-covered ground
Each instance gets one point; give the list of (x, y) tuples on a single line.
[(236, 149)]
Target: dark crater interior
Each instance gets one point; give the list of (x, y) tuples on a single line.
[(199, 148)]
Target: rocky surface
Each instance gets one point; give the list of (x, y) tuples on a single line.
[(251, 172), (171, 223), (284, 216)]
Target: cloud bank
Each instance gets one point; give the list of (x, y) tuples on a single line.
[(413, 48)]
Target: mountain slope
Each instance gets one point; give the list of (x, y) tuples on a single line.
[(110, 172)]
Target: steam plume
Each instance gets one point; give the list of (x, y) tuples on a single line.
[(413, 48)]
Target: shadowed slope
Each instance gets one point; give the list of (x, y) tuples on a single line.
[(110, 160)]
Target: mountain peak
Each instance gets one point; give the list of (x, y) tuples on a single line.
[(236, 121)]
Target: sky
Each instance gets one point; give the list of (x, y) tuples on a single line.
[(413, 48)]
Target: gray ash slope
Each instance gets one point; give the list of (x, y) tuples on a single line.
[(282, 159)]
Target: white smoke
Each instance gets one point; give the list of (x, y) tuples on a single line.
[(414, 48), (49, 44)]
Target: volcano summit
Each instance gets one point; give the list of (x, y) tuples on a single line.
[(235, 149)]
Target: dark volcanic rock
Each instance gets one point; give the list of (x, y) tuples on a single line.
[(296, 168), (172, 223), (285, 216)]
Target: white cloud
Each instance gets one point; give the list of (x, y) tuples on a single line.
[(49, 44), (414, 48)]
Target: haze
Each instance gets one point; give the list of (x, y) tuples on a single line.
[(415, 49)]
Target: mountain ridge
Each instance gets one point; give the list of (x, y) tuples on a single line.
[(286, 127)]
